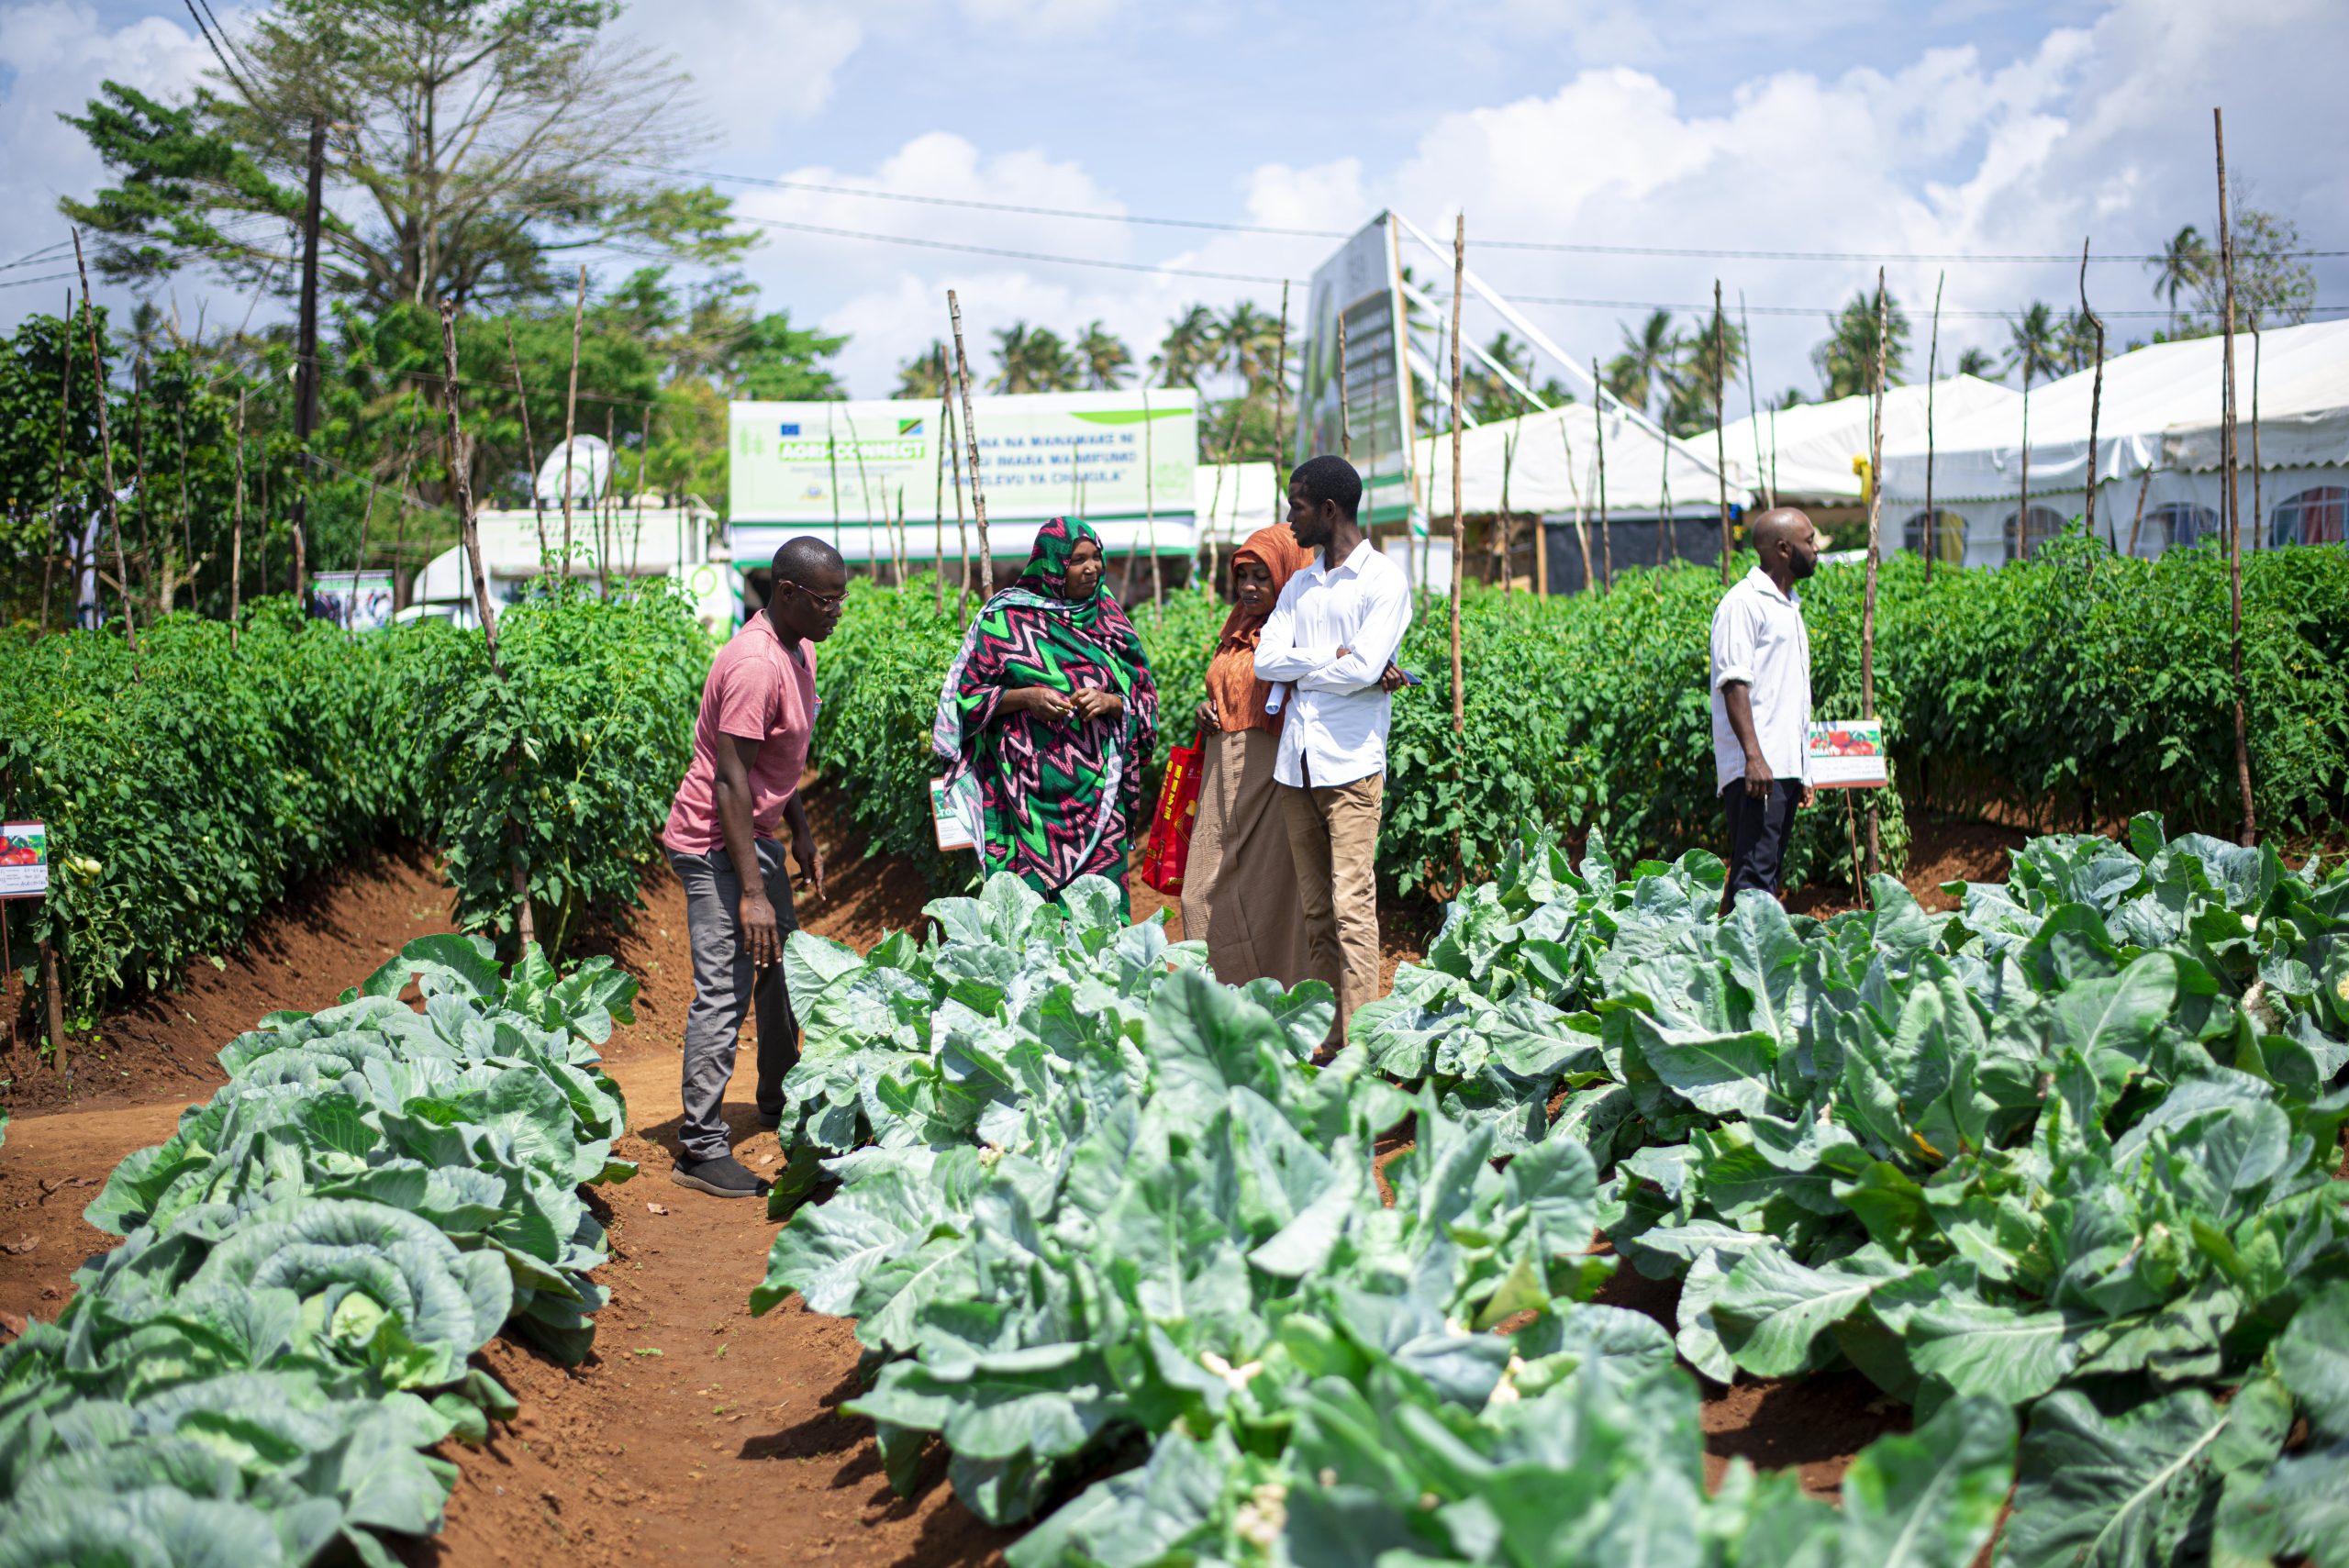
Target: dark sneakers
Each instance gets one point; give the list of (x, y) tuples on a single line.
[(722, 1177)]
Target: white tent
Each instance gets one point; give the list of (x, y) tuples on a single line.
[(1549, 463), (667, 542), (1235, 499), (1806, 450), (2157, 441)]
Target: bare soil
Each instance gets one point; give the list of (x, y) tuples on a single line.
[(694, 1433)]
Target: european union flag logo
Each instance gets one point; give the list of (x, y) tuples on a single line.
[(791, 427)]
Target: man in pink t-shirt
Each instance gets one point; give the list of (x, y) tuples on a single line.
[(758, 711)]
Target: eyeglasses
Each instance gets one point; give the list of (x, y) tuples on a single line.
[(822, 601)]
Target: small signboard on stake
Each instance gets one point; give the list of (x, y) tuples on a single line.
[(24, 860), (1847, 754), (949, 814)]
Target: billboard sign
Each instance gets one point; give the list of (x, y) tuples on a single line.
[(1359, 284), (1099, 455)]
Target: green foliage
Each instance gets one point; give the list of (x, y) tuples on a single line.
[(256, 1373), (566, 766)]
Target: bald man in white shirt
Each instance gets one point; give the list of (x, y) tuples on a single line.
[(1331, 639), (1761, 699)]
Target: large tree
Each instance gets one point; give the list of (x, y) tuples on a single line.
[(1846, 361), (472, 145)]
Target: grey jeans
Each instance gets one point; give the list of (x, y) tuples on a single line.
[(725, 986)]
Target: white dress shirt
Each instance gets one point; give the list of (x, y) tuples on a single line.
[(1337, 715), (1759, 637)]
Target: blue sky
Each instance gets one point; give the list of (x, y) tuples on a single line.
[(1967, 126)]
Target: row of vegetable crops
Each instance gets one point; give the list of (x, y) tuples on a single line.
[(187, 789), (2075, 688), (254, 1375), (2058, 1164)]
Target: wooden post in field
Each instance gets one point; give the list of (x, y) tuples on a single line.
[(55, 997), (1426, 540), (1876, 525), (2258, 518), (236, 540), (1720, 451), (962, 536), (1150, 506), (1598, 432), (1752, 412), (1499, 544), (139, 401), (1459, 532), (2145, 481), (605, 522), (2234, 516), (530, 450), (2095, 390), (187, 529), (469, 530), (569, 414), (1932, 370), (643, 470), (1582, 525), (2022, 510), (971, 434), (64, 418), (106, 446), (938, 507), (1345, 406)]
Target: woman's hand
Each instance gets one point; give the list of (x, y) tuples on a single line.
[(1036, 702), (1207, 720), (1091, 704)]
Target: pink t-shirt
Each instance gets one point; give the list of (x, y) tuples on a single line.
[(756, 691)]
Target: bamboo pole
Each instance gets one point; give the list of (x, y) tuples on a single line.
[(2234, 516), (64, 418), (1720, 390), (469, 527), (1752, 412), (236, 540), (1280, 399), (569, 415), (530, 450), (1598, 432), (1875, 526), (2095, 390), (971, 434), (1459, 537), (1932, 370), (938, 508), (106, 446)]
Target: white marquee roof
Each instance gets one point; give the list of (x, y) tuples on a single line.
[(1815, 443)]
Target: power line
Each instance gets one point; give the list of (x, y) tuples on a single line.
[(1018, 255), (1833, 310)]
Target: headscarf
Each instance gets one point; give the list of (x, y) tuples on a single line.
[(1239, 696), (1051, 799)]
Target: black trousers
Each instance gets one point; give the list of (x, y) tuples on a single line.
[(1758, 834)]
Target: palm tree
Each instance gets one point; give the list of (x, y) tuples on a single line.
[(2034, 343), (1189, 349), (923, 377), (1107, 361), (1033, 359), (1977, 361), (1649, 362), (1846, 361), (1249, 340), (1489, 398), (1690, 408), (2184, 262)]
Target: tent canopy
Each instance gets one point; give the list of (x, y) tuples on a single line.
[(671, 538), (1549, 463), (2160, 410), (1806, 447), (1235, 499)]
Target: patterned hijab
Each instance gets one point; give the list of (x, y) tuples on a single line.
[(1053, 799), (1239, 696)]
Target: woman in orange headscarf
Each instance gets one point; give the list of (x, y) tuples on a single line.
[(1239, 885)]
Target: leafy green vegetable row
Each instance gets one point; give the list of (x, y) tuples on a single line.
[(181, 803), (2070, 1147), (1094, 1205), (308, 1264)]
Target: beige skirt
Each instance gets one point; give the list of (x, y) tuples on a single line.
[(1239, 885)]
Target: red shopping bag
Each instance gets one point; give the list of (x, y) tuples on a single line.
[(1170, 830)]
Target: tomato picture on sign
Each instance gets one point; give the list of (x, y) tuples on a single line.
[(1847, 754), (24, 860)]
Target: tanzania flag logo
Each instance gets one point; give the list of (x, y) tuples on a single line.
[(909, 426)]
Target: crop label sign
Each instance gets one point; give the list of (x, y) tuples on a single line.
[(1847, 754), (24, 860), (1091, 454)]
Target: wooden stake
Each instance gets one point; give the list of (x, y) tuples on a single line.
[(138, 478), (105, 445), (1932, 370), (2234, 516), (1598, 430), (1345, 409), (1876, 524), (2095, 389), (1149, 505), (529, 448), (644, 467), (1752, 412), (1459, 535), (2144, 483), (2022, 510), (2258, 516), (971, 434), (937, 510), (236, 540), (604, 505), (1582, 527), (8, 980), (64, 418), (187, 529), (56, 1000), (570, 413), (1280, 397), (1720, 387)]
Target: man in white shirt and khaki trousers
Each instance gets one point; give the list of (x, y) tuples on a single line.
[(1330, 640), (1761, 685)]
